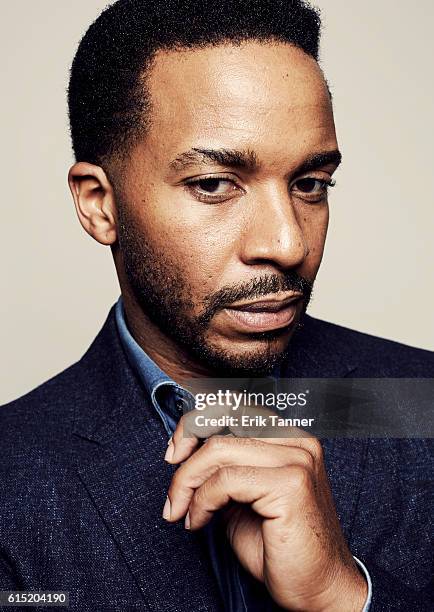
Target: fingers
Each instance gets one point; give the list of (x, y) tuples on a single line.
[(222, 451), (271, 492), (202, 461)]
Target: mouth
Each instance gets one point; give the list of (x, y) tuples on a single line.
[(265, 314)]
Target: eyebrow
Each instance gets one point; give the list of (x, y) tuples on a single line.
[(318, 160), (247, 159)]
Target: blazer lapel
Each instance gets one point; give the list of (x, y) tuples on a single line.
[(121, 446)]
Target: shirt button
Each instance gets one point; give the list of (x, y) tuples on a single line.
[(180, 406)]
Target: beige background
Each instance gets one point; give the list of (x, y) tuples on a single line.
[(376, 276)]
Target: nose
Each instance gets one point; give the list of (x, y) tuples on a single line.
[(273, 234)]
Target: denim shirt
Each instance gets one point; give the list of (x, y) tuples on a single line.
[(240, 591)]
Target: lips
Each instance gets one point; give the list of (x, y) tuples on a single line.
[(264, 315)]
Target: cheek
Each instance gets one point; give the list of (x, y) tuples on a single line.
[(206, 250), (197, 240), (314, 224)]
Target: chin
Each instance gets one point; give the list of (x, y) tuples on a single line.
[(254, 358)]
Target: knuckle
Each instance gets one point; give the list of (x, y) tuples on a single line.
[(216, 443), (225, 474), (305, 458), (298, 477), (315, 448)]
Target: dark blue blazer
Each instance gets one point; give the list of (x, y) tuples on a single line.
[(83, 483)]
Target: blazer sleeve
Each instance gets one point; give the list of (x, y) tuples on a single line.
[(390, 594)]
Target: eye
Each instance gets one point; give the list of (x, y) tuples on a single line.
[(312, 189), (214, 185), (212, 188)]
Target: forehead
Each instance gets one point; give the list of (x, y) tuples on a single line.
[(255, 94)]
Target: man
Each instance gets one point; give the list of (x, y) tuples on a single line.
[(205, 146)]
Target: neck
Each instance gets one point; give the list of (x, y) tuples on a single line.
[(169, 356)]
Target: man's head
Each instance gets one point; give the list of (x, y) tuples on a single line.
[(206, 142)]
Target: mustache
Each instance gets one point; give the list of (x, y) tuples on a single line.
[(254, 288)]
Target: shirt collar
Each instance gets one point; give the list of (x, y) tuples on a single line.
[(167, 396)]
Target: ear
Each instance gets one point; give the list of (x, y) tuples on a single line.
[(94, 201)]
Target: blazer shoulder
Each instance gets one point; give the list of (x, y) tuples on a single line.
[(41, 423), (372, 354), (49, 410), (42, 416)]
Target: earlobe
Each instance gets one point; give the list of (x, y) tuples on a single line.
[(94, 201)]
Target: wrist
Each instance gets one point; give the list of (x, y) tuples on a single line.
[(348, 593)]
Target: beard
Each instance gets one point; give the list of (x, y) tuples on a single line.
[(166, 297)]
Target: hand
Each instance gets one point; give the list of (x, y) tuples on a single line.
[(283, 525)]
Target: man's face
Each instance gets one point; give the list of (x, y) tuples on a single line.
[(223, 207)]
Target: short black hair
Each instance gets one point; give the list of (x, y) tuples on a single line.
[(106, 94)]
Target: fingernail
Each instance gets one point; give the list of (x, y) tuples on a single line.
[(169, 441), (167, 509), (170, 450), (187, 521)]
